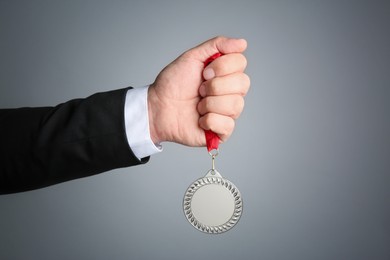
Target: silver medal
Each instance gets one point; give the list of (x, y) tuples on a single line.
[(212, 204)]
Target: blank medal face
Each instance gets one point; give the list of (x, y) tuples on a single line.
[(212, 204)]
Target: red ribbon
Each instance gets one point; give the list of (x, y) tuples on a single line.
[(212, 139)]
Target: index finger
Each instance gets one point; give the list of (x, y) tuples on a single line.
[(225, 65)]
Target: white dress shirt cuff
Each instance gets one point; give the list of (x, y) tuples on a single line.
[(137, 123)]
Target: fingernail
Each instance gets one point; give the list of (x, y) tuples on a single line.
[(208, 73), (202, 90)]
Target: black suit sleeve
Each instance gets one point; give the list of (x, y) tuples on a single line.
[(48, 145)]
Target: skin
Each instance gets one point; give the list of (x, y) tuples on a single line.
[(187, 98)]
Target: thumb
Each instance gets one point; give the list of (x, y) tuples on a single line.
[(220, 44)]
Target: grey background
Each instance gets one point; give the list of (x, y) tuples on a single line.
[(310, 154)]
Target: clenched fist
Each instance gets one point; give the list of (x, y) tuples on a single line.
[(188, 98)]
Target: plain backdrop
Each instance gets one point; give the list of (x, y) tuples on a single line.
[(310, 154)]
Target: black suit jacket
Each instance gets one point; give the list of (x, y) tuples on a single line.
[(47, 145)]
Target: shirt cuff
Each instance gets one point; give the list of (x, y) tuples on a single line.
[(137, 123)]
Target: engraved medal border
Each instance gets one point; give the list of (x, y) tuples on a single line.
[(213, 177)]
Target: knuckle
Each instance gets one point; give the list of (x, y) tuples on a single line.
[(209, 104), (229, 127), (207, 119), (224, 67), (247, 80), (244, 60), (240, 60), (238, 107), (219, 38), (247, 83), (214, 86), (210, 122), (204, 121)]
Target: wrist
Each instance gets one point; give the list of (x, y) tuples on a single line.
[(154, 105)]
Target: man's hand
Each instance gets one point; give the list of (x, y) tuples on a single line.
[(187, 98)]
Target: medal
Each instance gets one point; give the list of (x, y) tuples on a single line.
[(212, 204)]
